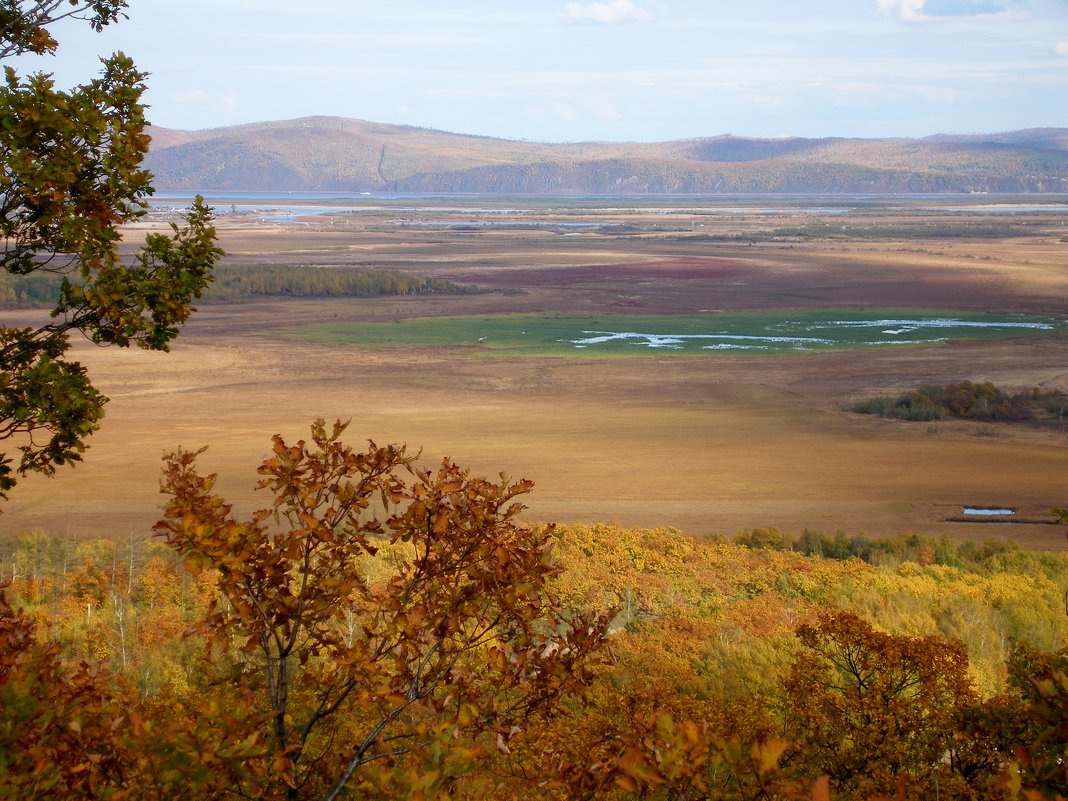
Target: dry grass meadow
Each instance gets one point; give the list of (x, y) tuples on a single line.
[(709, 444)]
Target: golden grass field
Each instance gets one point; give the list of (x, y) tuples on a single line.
[(711, 445)]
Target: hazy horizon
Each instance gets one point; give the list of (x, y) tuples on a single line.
[(710, 135), (606, 70)]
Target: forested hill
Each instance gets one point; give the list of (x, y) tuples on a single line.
[(338, 154)]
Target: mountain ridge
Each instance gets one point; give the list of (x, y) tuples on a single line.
[(324, 153)]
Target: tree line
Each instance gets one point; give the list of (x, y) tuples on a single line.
[(233, 282)]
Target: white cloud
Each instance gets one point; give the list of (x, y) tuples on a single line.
[(611, 11), (908, 10), (936, 10), (1061, 48), (193, 96)]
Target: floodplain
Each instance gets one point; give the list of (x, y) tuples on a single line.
[(650, 362)]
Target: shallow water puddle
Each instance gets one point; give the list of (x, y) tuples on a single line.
[(800, 334)]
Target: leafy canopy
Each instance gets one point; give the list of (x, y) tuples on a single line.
[(376, 614), (71, 177)]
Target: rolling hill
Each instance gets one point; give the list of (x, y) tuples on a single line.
[(348, 155)]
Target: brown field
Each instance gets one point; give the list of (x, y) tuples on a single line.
[(711, 445)]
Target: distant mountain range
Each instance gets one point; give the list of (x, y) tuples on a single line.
[(346, 155)]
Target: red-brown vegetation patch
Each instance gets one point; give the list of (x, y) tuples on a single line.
[(674, 269), (767, 280)]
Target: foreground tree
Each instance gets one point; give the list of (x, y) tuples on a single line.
[(875, 712), (397, 624), (70, 178)]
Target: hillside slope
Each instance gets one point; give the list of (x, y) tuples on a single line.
[(338, 154)]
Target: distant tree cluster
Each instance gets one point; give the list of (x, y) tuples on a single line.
[(925, 228), (968, 401), (888, 551), (233, 282)]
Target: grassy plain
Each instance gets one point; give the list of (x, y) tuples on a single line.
[(634, 335), (709, 443)]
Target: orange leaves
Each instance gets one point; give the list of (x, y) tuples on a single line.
[(768, 753), (452, 627), (821, 789), (282, 767), (441, 521), (690, 759), (636, 772), (867, 707), (59, 727)]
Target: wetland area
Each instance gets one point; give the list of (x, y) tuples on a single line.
[(686, 362)]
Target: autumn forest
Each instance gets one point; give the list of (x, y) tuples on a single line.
[(379, 630)]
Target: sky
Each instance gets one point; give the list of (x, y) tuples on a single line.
[(596, 70)]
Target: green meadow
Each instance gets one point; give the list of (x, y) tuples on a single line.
[(712, 333)]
